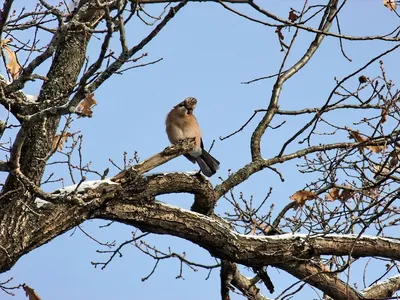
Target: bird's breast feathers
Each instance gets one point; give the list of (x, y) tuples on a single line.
[(183, 129)]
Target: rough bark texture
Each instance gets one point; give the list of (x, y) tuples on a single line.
[(130, 197), (134, 204), (20, 227)]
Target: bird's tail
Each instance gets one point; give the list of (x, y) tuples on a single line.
[(208, 164)]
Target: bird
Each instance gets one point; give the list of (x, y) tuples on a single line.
[(181, 124)]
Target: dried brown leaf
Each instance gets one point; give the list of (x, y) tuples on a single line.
[(356, 135), (30, 293), (394, 159), (293, 16), (333, 194), (359, 138), (85, 107), (391, 4), (384, 115), (13, 65), (374, 193), (302, 196), (377, 149), (59, 141), (346, 195), (384, 169)]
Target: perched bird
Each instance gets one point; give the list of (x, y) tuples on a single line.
[(182, 124)]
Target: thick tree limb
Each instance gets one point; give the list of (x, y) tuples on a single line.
[(168, 1), (25, 227), (35, 143), (133, 205), (327, 282), (228, 269), (383, 289), (231, 277), (221, 241)]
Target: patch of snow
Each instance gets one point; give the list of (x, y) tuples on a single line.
[(286, 236), (233, 234), (379, 283), (31, 98), (40, 202), (317, 236), (72, 5), (273, 237), (190, 173), (155, 174), (355, 236), (83, 186)]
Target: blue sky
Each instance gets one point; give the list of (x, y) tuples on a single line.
[(207, 52)]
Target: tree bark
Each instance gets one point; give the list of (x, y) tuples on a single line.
[(21, 227)]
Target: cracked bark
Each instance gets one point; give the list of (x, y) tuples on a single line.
[(17, 222), (23, 227), (133, 204)]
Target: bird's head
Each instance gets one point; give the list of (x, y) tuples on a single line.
[(187, 106)]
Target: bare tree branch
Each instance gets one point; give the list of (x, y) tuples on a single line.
[(383, 289), (325, 25)]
